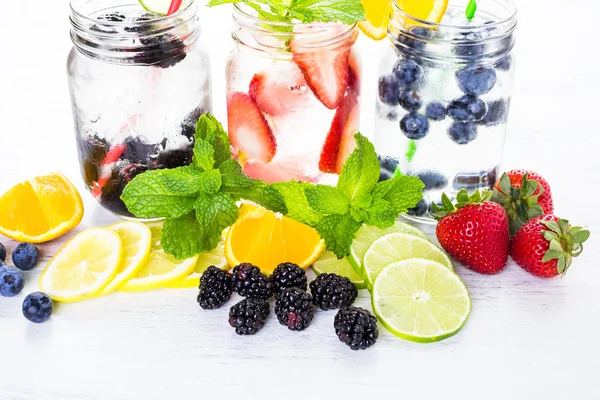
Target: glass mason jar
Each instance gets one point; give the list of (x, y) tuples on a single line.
[(293, 93), (444, 95), (138, 84)]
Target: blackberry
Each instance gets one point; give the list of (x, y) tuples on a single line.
[(111, 17), (175, 158), (92, 151), (356, 327), (188, 125), (131, 171), (138, 152), (161, 51), (331, 291), (139, 25), (215, 288), (249, 316), (288, 275), (294, 309), (248, 281)]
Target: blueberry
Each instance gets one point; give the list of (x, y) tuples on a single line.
[(414, 126), (504, 63), (416, 37), (389, 90), (433, 180), (388, 163), (476, 80), (462, 132), (497, 111), (25, 256), (12, 281), (2, 252), (384, 175), (410, 100), (435, 111), (37, 307), (407, 72), (470, 44), (467, 108), (418, 210), (472, 181)]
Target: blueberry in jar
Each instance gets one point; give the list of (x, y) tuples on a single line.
[(436, 111), (467, 108), (504, 63), (476, 80), (389, 90), (433, 180), (462, 132), (470, 44), (407, 72), (419, 210), (414, 126), (410, 100), (416, 37), (497, 112)]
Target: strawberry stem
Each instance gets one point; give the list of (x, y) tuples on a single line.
[(566, 242)]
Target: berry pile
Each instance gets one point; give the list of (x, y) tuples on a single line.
[(294, 307)]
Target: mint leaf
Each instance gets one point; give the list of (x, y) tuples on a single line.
[(165, 193), (204, 155), (361, 170), (211, 130), (403, 192), (260, 193), (344, 11), (296, 203), (326, 199), (232, 175), (338, 233), (471, 8), (181, 237), (380, 214), (211, 181), (214, 213), (363, 201), (412, 149)]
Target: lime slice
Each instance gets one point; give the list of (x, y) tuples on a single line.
[(329, 263), (214, 257), (397, 247), (368, 234), (420, 300)]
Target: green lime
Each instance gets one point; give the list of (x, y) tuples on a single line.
[(420, 300), (397, 247), (329, 263), (368, 234)]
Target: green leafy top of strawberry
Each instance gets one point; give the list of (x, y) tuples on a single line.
[(521, 203), (566, 242), (462, 199)]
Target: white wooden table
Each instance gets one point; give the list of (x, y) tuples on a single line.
[(527, 338)]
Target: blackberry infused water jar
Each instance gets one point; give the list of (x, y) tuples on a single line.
[(138, 81), (444, 95), (293, 94)]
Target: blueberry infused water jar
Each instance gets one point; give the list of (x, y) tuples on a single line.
[(138, 82), (444, 92)]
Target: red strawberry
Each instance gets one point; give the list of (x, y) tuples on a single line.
[(475, 232), (276, 98), (325, 71), (249, 132), (524, 195), (339, 143), (545, 246)]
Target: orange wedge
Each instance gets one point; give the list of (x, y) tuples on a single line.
[(40, 209), (266, 239), (425, 10), (378, 18)]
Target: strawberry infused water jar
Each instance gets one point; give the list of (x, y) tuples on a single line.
[(138, 82), (293, 97), (444, 92)]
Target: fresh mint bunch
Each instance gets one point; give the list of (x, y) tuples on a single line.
[(338, 212), (198, 201), (304, 11)]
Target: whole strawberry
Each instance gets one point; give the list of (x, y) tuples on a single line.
[(524, 195), (545, 246), (475, 232)]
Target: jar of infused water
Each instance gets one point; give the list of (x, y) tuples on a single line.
[(293, 94), (444, 95), (139, 82)]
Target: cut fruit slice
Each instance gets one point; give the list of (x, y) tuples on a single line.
[(325, 71), (40, 209), (161, 270), (277, 98), (378, 17), (397, 247), (420, 300), (425, 10), (249, 132), (266, 239), (137, 242), (366, 235), (330, 264), (161, 7), (214, 257), (339, 143), (83, 266)]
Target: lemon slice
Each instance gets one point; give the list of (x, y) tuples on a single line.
[(83, 266), (214, 257), (137, 239), (378, 18), (161, 270), (330, 264)]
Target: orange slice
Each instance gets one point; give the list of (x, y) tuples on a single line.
[(425, 10), (40, 209), (266, 239), (378, 18)]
